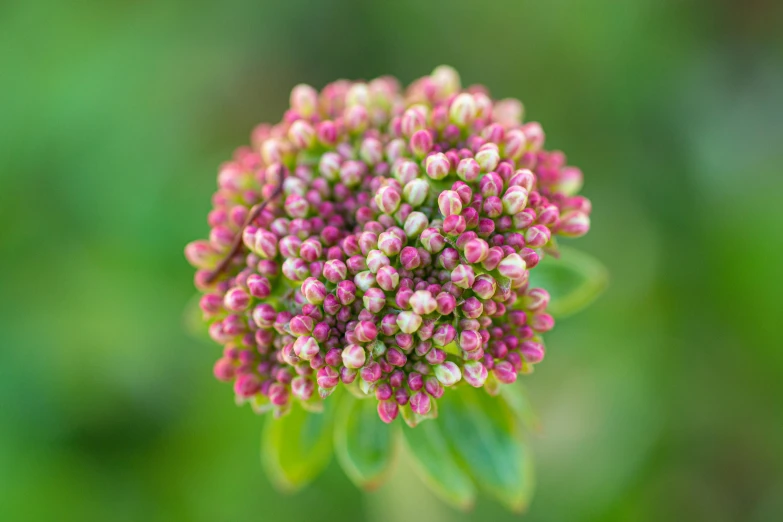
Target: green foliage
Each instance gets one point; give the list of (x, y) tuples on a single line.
[(297, 447), (364, 445), (573, 280), (436, 465), (475, 442)]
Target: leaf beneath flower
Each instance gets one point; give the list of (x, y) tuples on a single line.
[(485, 437), (573, 281), (364, 445), (435, 463), (297, 447)]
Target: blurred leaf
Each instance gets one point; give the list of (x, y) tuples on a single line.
[(486, 439), (297, 447), (516, 397), (435, 463), (193, 320), (573, 280), (364, 445)]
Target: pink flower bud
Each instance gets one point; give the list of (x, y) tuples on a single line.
[(326, 133), (364, 280), (335, 271), (365, 331), (306, 347), (432, 240), (415, 224), (236, 300), (224, 369), (463, 110), (389, 243), (415, 381), (371, 151), (514, 144), (448, 373), (388, 199), (472, 308), (491, 185), (415, 192), (410, 258), (422, 302), (354, 356), (488, 158), (420, 403), (534, 134), (265, 244), (247, 385), (474, 373), (421, 143), (351, 173), (542, 322), (446, 303), (264, 316), (304, 100), (533, 352), (468, 169), (301, 134), (374, 300), (314, 291), (470, 341), (387, 410), (513, 267), (408, 322), (302, 388), (454, 225), (396, 358), (329, 166), (375, 260), (371, 373), (536, 299), (433, 387), (476, 250), (514, 200), (437, 166), (463, 276), (537, 236), (414, 119), (356, 119), (301, 325), (448, 259), (387, 278), (346, 292), (504, 372), (258, 286), (508, 112), (327, 377), (573, 224), (449, 203)]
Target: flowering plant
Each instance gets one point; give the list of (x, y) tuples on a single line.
[(382, 253)]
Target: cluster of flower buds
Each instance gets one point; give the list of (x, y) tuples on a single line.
[(392, 250)]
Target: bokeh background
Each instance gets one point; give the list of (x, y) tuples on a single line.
[(660, 402)]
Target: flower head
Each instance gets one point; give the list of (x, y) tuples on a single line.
[(383, 239)]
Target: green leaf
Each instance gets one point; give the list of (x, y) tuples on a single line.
[(193, 320), (364, 445), (485, 437), (516, 397), (298, 446), (436, 465), (573, 281)]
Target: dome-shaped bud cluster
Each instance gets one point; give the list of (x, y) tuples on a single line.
[(383, 239)]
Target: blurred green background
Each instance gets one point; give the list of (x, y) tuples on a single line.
[(660, 402)]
